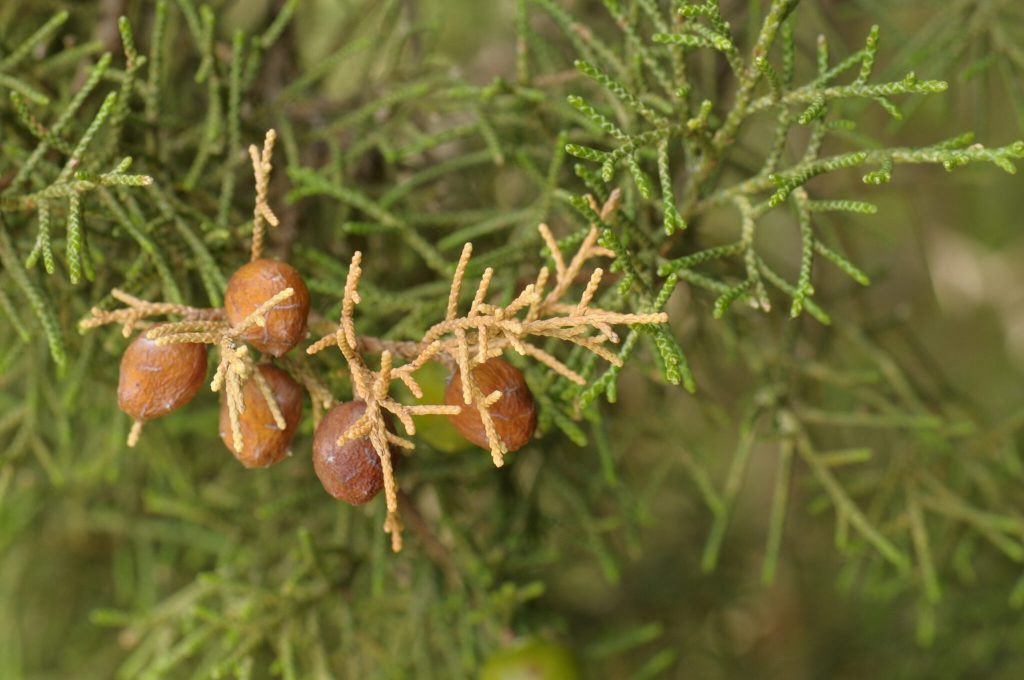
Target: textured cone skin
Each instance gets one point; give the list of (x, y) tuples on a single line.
[(514, 414), (263, 444), (350, 472), (156, 380), (255, 283)]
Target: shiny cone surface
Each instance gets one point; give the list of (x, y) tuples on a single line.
[(255, 283), (352, 471), (263, 443), (514, 414), (158, 379)]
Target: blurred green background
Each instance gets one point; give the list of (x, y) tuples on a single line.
[(946, 255)]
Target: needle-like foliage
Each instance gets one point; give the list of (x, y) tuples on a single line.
[(717, 177)]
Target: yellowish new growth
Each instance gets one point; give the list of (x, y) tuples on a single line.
[(134, 433), (373, 388), (207, 326), (319, 393), (210, 326), (484, 332), (462, 342), (235, 366), (131, 317), (262, 213)]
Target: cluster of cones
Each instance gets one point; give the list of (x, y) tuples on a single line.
[(266, 308)]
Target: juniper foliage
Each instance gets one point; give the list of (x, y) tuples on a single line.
[(731, 135)]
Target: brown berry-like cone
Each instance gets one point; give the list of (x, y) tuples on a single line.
[(514, 414), (350, 472), (157, 379), (263, 443), (255, 283)]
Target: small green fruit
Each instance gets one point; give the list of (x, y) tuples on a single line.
[(437, 431), (532, 659)]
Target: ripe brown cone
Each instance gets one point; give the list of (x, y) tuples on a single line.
[(263, 443), (157, 379), (255, 283), (352, 471), (514, 414)]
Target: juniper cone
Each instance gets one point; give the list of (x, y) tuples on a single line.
[(285, 324), (350, 471), (514, 414), (273, 408), (155, 379)]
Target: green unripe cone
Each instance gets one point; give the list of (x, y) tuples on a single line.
[(532, 659), (437, 431)]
